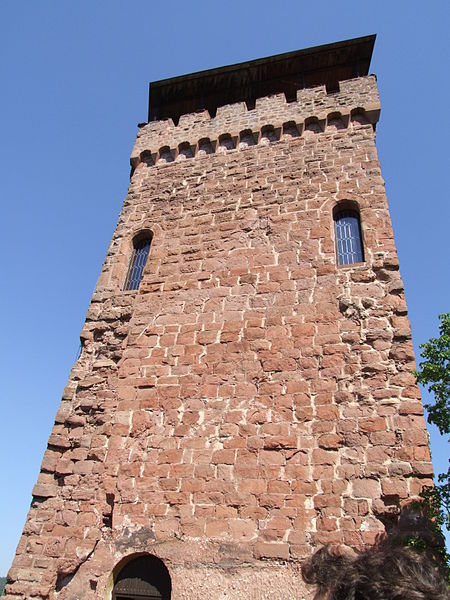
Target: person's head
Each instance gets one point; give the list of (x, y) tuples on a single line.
[(382, 572)]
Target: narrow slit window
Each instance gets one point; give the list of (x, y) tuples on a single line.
[(348, 237), (139, 257)]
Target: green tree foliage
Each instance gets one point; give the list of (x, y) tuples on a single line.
[(434, 372), (2, 585)]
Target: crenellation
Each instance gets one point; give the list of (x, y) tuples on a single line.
[(190, 120), (312, 102), (267, 134)]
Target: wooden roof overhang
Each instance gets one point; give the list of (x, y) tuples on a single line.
[(245, 82)]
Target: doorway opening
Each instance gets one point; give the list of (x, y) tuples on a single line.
[(143, 578)]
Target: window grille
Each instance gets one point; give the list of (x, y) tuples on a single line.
[(137, 263), (348, 238)]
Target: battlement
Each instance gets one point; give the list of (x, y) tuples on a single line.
[(235, 126)]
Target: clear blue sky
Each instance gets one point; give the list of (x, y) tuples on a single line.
[(74, 77)]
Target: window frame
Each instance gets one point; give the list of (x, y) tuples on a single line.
[(139, 256), (341, 211)]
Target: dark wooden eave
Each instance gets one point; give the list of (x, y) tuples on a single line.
[(245, 82)]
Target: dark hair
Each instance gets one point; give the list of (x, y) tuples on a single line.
[(382, 572)]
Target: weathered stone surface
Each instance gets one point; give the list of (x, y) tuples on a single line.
[(251, 400)]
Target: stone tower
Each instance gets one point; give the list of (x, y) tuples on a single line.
[(244, 390)]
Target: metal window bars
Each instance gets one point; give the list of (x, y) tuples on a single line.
[(348, 238), (137, 263)]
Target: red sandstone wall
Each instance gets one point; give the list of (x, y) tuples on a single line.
[(251, 401)]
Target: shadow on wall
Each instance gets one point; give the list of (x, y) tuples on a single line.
[(408, 562)]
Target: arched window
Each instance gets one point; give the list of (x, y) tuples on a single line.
[(141, 247), (143, 578), (347, 225)]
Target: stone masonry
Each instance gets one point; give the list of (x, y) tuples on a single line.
[(251, 401)]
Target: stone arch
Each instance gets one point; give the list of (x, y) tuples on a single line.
[(138, 233), (184, 151), (290, 129), (140, 577), (146, 228), (147, 158), (226, 142), (334, 206), (358, 116), (165, 155), (204, 147), (313, 124), (269, 134), (350, 244), (336, 120), (246, 139), (140, 250), (346, 204)]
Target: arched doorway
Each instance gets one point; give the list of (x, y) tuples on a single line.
[(143, 578)]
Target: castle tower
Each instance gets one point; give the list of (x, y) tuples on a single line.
[(244, 390)]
